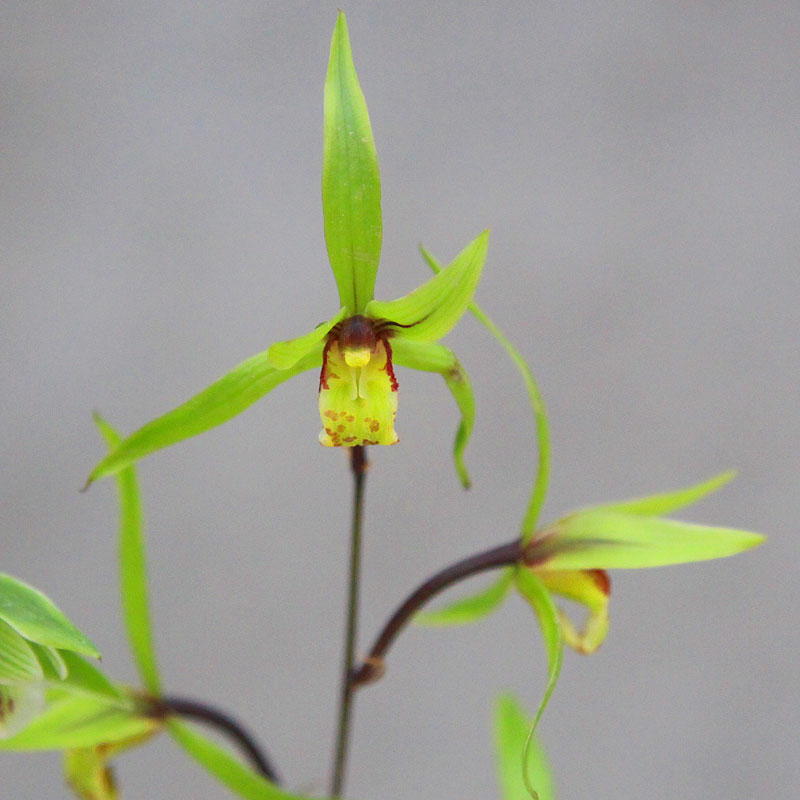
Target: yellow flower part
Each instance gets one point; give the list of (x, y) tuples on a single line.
[(590, 588), (357, 395)]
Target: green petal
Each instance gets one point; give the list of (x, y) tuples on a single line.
[(133, 568), (600, 539), (351, 183), (224, 767), (472, 608), (511, 727), (539, 490), (218, 403), (532, 589), (52, 662), (665, 503), (72, 720), (35, 617), (18, 663), (430, 311), (284, 355), (430, 357)]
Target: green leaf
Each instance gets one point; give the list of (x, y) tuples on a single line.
[(36, 618), (511, 728), (430, 357), (218, 403), (599, 539), (351, 183), (665, 503), (430, 311), (133, 568), (534, 591), (284, 355), (18, 663), (75, 720), (539, 490), (472, 608), (224, 767)]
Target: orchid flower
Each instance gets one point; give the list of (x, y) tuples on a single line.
[(358, 348)]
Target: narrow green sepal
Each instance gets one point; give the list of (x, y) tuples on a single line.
[(351, 184), (219, 402), (431, 357), (229, 771), (667, 502), (133, 568), (35, 617), (432, 310), (284, 355), (511, 728), (534, 591), (470, 609), (600, 539)]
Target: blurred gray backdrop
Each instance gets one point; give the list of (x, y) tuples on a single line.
[(638, 165)]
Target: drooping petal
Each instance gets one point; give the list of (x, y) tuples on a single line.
[(431, 310), (284, 355), (511, 727), (539, 489), (219, 402), (534, 591), (591, 588), (600, 539), (351, 184), (357, 405), (431, 357)]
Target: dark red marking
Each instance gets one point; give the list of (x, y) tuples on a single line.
[(389, 367)]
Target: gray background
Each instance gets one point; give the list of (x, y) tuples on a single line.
[(638, 166)]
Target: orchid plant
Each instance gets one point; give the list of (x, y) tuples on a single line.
[(52, 695)]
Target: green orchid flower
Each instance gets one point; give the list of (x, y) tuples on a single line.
[(358, 348)]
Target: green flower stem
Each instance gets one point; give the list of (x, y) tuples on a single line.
[(372, 667), (162, 707), (358, 466)]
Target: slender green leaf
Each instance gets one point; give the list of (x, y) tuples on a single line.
[(433, 309), (472, 608), (284, 355), (36, 617), (74, 720), (511, 728), (224, 767), (18, 663), (539, 490), (218, 403), (667, 502), (18, 706), (133, 568), (534, 591), (431, 357), (599, 539), (351, 183)]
